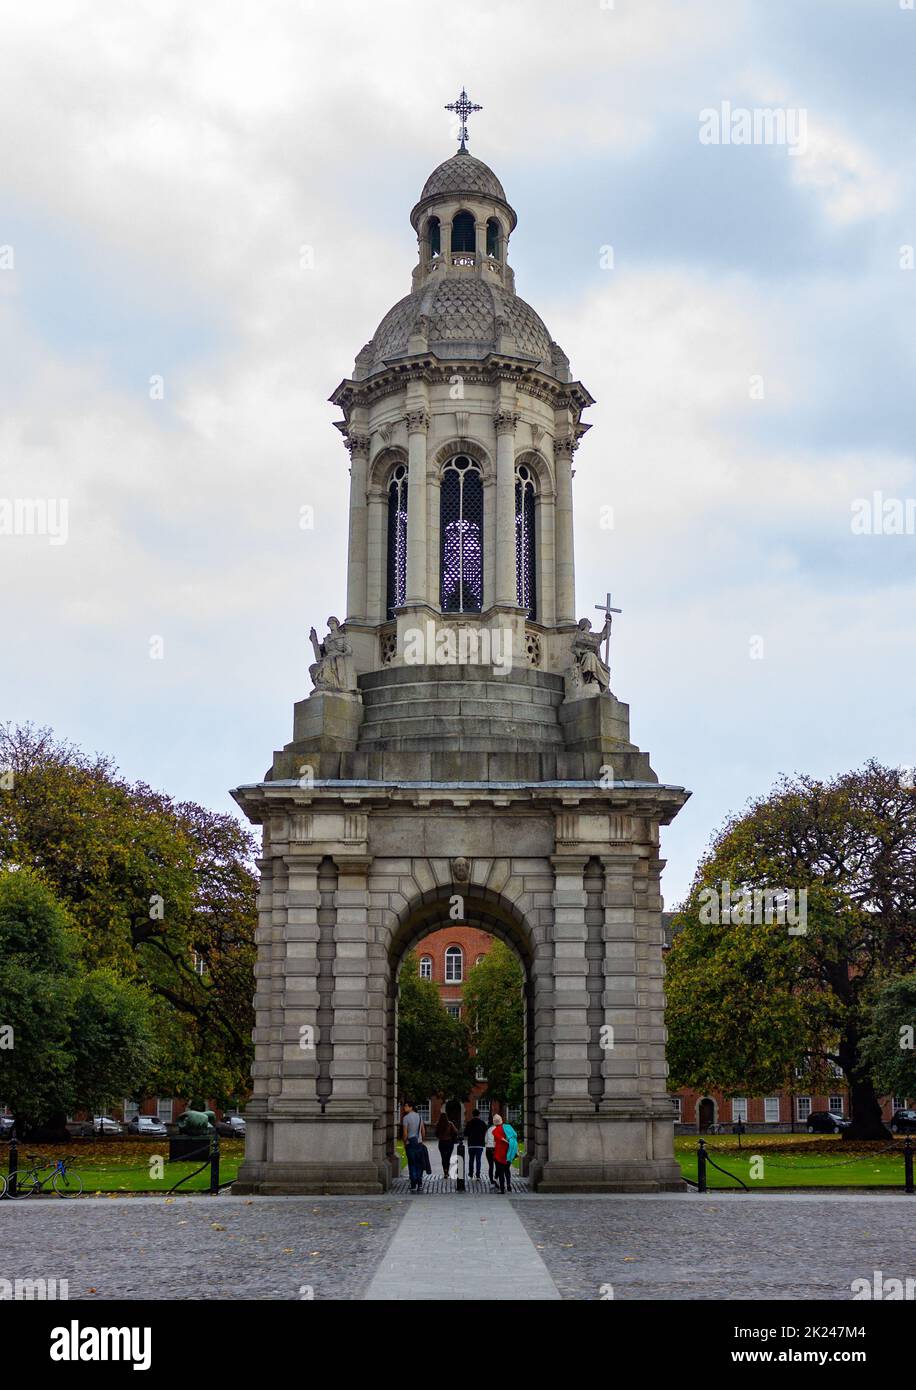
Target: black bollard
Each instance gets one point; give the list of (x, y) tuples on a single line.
[(13, 1166), (214, 1164), (459, 1185), (701, 1167), (908, 1166)]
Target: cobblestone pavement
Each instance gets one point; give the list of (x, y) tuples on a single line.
[(735, 1247), (740, 1246), (199, 1247)]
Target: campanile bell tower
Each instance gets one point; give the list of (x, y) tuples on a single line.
[(461, 742)]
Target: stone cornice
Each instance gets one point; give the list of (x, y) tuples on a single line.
[(490, 370)]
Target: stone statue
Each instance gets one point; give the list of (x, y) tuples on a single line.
[(590, 672), (332, 668), (196, 1124)]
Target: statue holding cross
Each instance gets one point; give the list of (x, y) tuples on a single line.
[(593, 676)]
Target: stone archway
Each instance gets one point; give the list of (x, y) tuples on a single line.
[(500, 918)]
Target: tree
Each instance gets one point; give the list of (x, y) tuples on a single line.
[(434, 1055), (162, 894), (890, 1036), (752, 997), (72, 1037), (494, 999)]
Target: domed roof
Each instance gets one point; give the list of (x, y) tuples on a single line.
[(457, 314), (462, 173)]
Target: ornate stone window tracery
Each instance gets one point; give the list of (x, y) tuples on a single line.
[(525, 539), (461, 536), (397, 539)]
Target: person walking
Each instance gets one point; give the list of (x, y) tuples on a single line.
[(489, 1143), (475, 1132), (413, 1131), (505, 1147), (446, 1133)]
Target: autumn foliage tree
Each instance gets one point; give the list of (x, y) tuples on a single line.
[(161, 893), (751, 1000)]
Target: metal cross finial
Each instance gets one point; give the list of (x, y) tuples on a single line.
[(462, 109), (607, 610)]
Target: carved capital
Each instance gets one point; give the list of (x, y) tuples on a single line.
[(565, 447), (357, 443), (417, 421), (505, 421)]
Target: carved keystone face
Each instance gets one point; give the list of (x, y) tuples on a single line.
[(461, 870)]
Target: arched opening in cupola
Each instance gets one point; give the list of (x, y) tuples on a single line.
[(493, 238), (434, 237), (464, 238)]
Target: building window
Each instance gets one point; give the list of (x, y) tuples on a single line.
[(771, 1110), (434, 235), (525, 563), (464, 232), (835, 1104), (461, 536), (454, 965), (493, 238), (426, 967), (739, 1110), (483, 1105), (131, 1108), (899, 1103), (677, 1109), (513, 1114), (802, 1107), (423, 1109), (397, 539), (165, 1109), (480, 1074), (453, 1010)]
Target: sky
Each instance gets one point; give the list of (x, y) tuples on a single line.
[(743, 314)]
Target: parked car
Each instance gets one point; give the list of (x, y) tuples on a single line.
[(7, 1125), (904, 1121), (232, 1126), (149, 1125), (826, 1122), (104, 1124)]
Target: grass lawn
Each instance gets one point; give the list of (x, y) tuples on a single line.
[(113, 1167), (794, 1160)]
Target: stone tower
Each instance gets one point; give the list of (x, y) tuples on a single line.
[(461, 755)]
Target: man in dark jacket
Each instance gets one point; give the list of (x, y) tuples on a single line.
[(475, 1132)]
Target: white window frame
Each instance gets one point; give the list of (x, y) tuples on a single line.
[(130, 1109), (802, 1113), (426, 967), (677, 1109), (835, 1105), (454, 956), (480, 1074), (165, 1109), (739, 1110), (900, 1103), (424, 1110), (453, 1008), (514, 1114), (483, 1105), (771, 1110)]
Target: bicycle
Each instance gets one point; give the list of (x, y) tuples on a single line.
[(64, 1179)]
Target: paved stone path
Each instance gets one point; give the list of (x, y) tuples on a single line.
[(672, 1246), (482, 1252)]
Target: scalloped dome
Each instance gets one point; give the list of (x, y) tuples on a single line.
[(460, 313), (462, 173)]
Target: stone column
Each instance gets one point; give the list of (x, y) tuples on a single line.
[(350, 1067), (571, 1030), (417, 427), (620, 1061), (565, 570), (377, 550), (506, 588), (300, 977), (358, 548)]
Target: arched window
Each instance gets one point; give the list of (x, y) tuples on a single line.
[(454, 965), (426, 967), (525, 547), (463, 232), (493, 238), (461, 536), (397, 538), (434, 236)]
